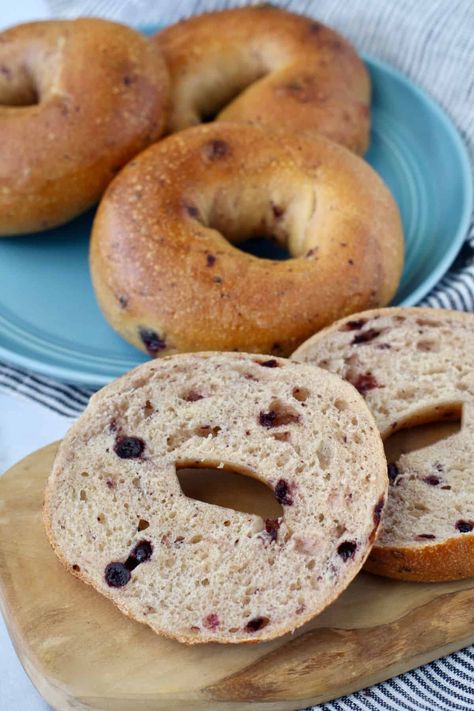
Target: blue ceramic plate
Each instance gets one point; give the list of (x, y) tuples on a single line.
[(50, 322)]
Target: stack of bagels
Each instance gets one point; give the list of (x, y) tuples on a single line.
[(230, 125), (290, 101)]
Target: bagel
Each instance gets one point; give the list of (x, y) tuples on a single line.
[(164, 262), (414, 366), (117, 518), (78, 99), (267, 66)]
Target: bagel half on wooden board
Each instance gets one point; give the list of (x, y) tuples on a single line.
[(266, 66), (78, 99), (414, 366), (118, 519), (165, 263)]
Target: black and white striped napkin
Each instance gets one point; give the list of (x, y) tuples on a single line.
[(432, 42)]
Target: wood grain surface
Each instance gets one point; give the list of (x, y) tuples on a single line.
[(82, 653)]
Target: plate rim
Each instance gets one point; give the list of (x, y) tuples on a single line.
[(466, 178), (74, 376)]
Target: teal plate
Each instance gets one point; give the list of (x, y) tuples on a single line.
[(49, 319)]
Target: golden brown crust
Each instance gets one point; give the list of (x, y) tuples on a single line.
[(289, 71), (102, 93), (450, 560), (159, 260)]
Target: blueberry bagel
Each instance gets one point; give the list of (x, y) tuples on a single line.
[(78, 99), (118, 519), (266, 66), (165, 262), (415, 366)]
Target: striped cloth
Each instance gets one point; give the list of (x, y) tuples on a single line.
[(432, 42)]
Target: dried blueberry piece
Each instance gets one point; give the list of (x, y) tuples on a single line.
[(282, 493), (116, 575), (278, 415), (271, 527), (392, 471), (364, 382), (278, 211), (267, 419), (354, 325), (347, 550), (425, 537), (193, 396), (432, 480), (464, 526), (366, 336), (215, 149), (211, 622), (140, 554), (271, 363), (152, 341), (256, 624), (315, 28), (129, 447), (192, 211), (210, 260), (142, 551), (378, 508), (123, 301)]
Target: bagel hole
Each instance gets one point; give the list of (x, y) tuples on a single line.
[(228, 488), (420, 431), (265, 248), (222, 87), (266, 217)]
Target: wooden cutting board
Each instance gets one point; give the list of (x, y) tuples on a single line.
[(81, 653)]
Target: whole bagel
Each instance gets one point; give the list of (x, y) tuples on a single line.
[(165, 267), (78, 99), (267, 66)]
